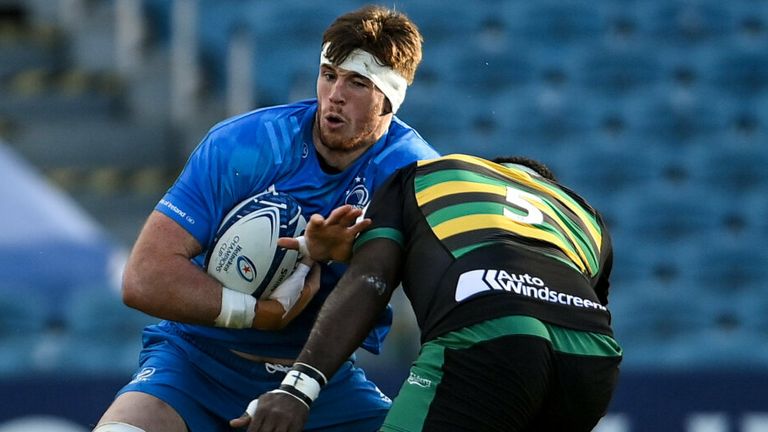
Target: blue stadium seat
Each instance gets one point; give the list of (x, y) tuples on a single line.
[(748, 20), (612, 72), (634, 264), (670, 218), (742, 73), (679, 120), (734, 332), (490, 73), (738, 225), (437, 66), (22, 324), (730, 270), (608, 173), (556, 24), (655, 329), (103, 335), (283, 77), (447, 22), (688, 23), (438, 109), (554, 116), (735, 172)]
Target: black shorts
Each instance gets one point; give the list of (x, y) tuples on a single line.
[(509, 374)]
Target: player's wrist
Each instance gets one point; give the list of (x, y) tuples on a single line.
[(303, 382), (237, 309), (288, 292)]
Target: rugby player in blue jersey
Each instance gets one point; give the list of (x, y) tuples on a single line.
[(217, 349)]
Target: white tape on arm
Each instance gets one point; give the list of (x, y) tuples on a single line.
[(237, 309), (303, 382), (289, 291)]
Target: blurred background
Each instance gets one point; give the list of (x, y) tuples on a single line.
[(656, 111)]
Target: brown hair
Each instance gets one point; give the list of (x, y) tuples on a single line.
[(387, 34)]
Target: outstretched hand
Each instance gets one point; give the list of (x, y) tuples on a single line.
[(331, 238)]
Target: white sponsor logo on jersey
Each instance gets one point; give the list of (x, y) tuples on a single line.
[(143, 375), (477, 281), (414, 379), (275, 368)]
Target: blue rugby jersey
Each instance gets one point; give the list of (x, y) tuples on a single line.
[(245, 155)]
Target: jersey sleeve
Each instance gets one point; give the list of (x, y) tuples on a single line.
[(214, 180), (386, 210)]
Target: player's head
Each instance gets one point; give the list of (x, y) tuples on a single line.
[(373, 49), (390, 36), (535, 165)]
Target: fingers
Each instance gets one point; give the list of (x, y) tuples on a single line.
[(345, 216), (315, 220), (288, 243), (240, 422), (360, 226)]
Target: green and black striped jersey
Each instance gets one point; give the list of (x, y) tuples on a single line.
[(474, 232), (467, 201)]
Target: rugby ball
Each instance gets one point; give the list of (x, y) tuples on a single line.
[(245, 256)]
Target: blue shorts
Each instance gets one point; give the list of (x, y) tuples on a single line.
[(208, 385)]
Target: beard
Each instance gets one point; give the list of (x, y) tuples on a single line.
[(345, 143)]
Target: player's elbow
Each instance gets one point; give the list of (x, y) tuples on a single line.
[(135, 289)]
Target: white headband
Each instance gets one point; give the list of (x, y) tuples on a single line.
[(388, 80)]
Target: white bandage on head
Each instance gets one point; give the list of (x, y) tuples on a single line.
[(237, 309), (388, 80), (117, 427)]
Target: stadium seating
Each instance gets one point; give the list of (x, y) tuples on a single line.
[(102, 334), (637, 106), (554, 24), (740, 73), (618, 72), (657, 112), (688, 23), (22, 323), (735, 172)]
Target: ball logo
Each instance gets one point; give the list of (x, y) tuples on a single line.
[(246, 268)]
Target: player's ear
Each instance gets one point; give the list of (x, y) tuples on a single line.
[(387, 107)]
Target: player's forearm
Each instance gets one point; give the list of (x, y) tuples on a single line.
[(345, 320), (172, 288), (353, 307)]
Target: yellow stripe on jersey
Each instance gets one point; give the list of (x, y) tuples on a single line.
[(457, 187), (487, 221), (570, 227), (553, 214), (523, 178), (589, 221)]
